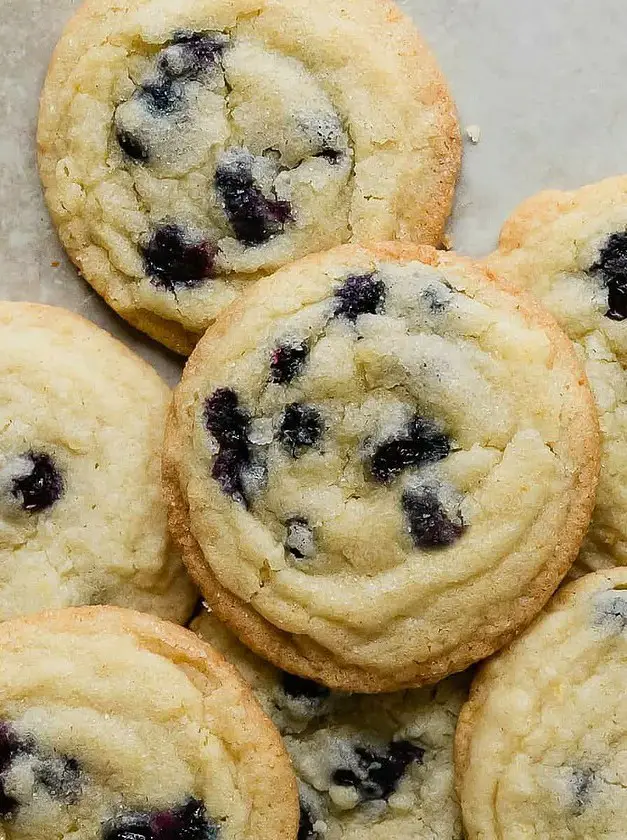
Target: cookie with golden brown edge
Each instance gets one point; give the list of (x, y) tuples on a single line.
[(570, 250), (188, 148), (540, 745), (380, 464), (82, 514), (116, 725)]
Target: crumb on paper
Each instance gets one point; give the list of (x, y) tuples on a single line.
[(473, 133), (55, 263), (447, 242)]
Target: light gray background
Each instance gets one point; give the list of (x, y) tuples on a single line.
[(543, 79)]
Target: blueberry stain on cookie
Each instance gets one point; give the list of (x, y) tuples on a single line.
[(254, 216), (190, 54), (375, 774), (360, 294), (174, 260), (39, 485), (229, 424), (421, 442), (299, 539), (611, 268), (300, 428), (188, 822), (429, 524), (610, 611), (287, 362), (581, 784)]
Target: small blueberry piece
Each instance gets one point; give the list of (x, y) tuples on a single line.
[(422, 442), (41, 487), (428, 522), (173, 261), (229, 424), (254, 217), (300, 428), (376, 775), (287, 362), (298, 687), (360, 294), (306, 824), (611, 268)]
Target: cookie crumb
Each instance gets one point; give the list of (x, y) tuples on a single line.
[(473, 133), (55, 263)]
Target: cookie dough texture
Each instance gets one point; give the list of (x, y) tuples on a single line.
[(380, 465), (570, 250), (324, 733), (540, 748), (110, 717), (187, 147), (82, 515)]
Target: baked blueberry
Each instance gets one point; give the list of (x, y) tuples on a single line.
[(191, 53), (375, 775), (40, 486), (428, 522), (611, 267), (611, 611), (131, 145), (254, 217), (360, 294), (300, 428), (173, 260), (189, 822), (287, 362), (306, 829), (422, 442), (228, 423), (300, 539)]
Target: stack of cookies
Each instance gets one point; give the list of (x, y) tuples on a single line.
[(379, 466)]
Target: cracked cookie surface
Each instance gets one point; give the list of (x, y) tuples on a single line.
[(188, 148), (115, 725), (549, 712), (82, 517), (368, 766), (570, 250), (380, 465)]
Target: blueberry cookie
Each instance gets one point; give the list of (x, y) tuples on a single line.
[(570, 250), (368, 767), (82, 517), (115, 725), (186, 148), (380, 464), (547, 713)]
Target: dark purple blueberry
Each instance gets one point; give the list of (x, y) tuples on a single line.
[(306, 824), (300, 539), (299, 687), (191, 53), (428, 522), (254, 217), (300, 428), (171, 260), (422, 442), (11, 745), (331, 155), (41, 487), (224, 418), (611, 612), (611, 268), (360, 294), (228, 423), (131, 145), (581, 783), (162, 95), (287, 362), (375, 775), (189, 822)]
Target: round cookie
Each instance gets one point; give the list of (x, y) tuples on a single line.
[(82, 515), (540, 745), (368, 767), (570, 250), (115, 725), (380, 464), (186, 148)]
